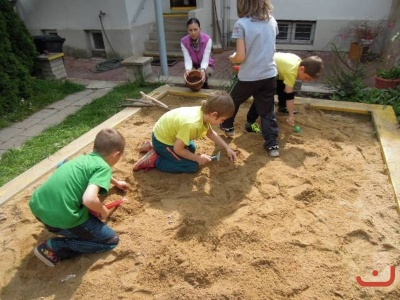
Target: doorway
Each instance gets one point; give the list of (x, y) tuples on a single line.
[(183, 3)]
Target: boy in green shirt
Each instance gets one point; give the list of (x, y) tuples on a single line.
[(63, 202)]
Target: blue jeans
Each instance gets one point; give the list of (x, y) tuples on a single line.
[(169, 161), (90, 237)]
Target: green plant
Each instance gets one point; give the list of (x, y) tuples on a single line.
[(347, 78), (347, 84), (17, 59), (392, 73), (363, 32)]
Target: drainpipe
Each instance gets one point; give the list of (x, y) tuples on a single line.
[(226, 14), (223, 25), (161, 37)]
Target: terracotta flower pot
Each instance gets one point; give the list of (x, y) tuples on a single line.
[(193, 80), (382, 83)]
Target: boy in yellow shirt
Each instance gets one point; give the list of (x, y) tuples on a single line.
[(290, 68), (173, 147)]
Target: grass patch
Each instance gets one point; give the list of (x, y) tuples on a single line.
[(45, 92), (16, 161)]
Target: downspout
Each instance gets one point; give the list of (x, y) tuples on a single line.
[(225, 23), (161, 37), (216, 29)]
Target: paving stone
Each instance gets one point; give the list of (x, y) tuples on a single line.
[(7, 133), (92, 96), (59, 116), (44, 113), (34, 130), (14, 143), (25, 124)]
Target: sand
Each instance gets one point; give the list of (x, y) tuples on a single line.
[(301, 226)]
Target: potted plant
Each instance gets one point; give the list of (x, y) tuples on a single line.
[(363, 35), (388, 78)]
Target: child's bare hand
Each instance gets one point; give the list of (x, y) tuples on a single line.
[(204, 159), (290, 120), (231, 154), (122, 185)]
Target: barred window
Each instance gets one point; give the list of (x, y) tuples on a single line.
[(296, 32)]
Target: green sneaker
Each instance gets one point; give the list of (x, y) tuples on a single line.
[(253, 128)]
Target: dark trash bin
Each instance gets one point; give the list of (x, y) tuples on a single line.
[(48, 43)]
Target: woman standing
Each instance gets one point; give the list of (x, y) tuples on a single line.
[(196, 48)]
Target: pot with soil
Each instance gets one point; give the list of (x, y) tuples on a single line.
[(193, 80), (388, 79)]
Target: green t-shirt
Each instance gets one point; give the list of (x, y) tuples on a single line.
[(58, 202), (184, 123), (288, 67)]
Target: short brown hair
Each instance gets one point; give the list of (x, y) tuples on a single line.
[(257, 9), (108, 141), (220, 102), (313, 66)]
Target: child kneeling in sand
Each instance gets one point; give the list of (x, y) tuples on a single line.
[(173, 148), (63, 202)]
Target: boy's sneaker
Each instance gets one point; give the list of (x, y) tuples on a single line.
[(273, 150), (148, 161), (228, 131), (45, 255), (284, 110), (145, 147), (253, 127)]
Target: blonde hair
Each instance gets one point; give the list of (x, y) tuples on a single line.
[(108, 141), (313, 66), (220, 102), (256, 9)]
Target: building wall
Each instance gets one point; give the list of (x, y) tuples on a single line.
[(74, 18), (330, 16), (391, 50)]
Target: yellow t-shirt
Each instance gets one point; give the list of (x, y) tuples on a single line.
[(288, 67), (184, 123)]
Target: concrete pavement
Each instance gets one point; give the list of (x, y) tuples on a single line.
[(17, 134)]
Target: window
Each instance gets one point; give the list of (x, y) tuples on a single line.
[(98, 42), (49, 31), (296, 32)]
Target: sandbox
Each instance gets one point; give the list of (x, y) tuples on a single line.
[(301, 226)]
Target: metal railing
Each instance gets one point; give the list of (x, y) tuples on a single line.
[(140, 8)]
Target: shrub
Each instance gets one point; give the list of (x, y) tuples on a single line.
[(347, 84), (17, 58), (392, 73)]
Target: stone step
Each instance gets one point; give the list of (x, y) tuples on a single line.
[(169, 36), (170, 54), (154, 45), (177, 17), (173, 26), (175, 29)]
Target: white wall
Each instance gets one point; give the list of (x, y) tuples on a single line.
[(331, 10), (72, 17), (331, 17)]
